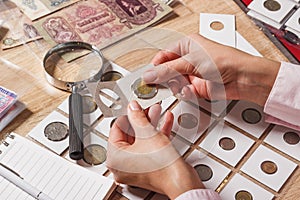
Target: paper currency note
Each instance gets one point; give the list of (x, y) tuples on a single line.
[(35, 9), (14, 111), (19, 28), (101, 22), (7, 100)]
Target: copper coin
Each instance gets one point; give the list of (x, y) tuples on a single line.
[(143, 90), (204, 172), (187, 120), (56, 131), (243, 195), (226, 143), (217, 26), (272, 5), (268, 167), (291, 138), (251, 116), (94, 154), (88, 104), (111, 76)]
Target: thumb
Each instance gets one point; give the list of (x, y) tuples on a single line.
[(140, 123)]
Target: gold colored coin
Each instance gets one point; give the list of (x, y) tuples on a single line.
[(204, 172), (251, 116), (226, 143), (243, 195), (143, 90), (88, 104), (187, 120), (111, 76), (291, 138), (94, 154), (268, 167), (272, 5)]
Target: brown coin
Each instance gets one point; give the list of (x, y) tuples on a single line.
[(243, 195), (291, 138), (187, 120), (217, 26), (204, 172), (94, 154), (88, 104), (111, 76), (251, 116), (56, 131), (272, 5), (143, 90), (226, 143), (268, 167)]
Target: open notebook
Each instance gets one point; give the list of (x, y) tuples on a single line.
[(49, 173)]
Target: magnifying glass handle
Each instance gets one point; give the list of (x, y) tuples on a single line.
[(75, 127)]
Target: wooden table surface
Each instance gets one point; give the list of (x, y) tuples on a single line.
[(41, 98)]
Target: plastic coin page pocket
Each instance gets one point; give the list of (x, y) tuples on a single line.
[(189, 122), (240, 188), (94, 153), (224, 142), (269, 167), (211, 172), (285, 140), (249, 117), (52, 132), (216, 107)]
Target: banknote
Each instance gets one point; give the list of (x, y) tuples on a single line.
[(35, 9), (101, 22), (7, 100), (14, 111), (18, 27)]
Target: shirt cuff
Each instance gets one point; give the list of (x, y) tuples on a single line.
[(203, 194)]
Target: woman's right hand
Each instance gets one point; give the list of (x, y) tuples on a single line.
[(213, 71)]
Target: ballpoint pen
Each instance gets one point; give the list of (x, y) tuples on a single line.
[(17, 180)]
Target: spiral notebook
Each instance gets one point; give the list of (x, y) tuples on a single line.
[(48, 173)]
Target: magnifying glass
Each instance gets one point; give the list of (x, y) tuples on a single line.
[(70, 66)]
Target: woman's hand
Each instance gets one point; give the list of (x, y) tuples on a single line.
[(201, 67), (140, 155)]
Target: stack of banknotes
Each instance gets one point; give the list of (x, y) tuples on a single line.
[(10, 107)]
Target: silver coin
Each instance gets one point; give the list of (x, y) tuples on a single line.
[(143, 90), (291, 138), (88, 104), (226, 143), (187, 120), (243, 195), (272, 5), (251, 116), (94, 154), (56, 131), (111, 76), (204, 172)]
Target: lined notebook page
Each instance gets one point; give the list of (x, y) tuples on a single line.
[(55, 176)]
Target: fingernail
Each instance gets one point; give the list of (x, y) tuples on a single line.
[(134, 105), (149, 76)]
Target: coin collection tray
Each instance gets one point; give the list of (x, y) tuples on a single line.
[(279, 20)]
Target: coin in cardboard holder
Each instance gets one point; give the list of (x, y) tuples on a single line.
[(187, 120), (251, 116), (269, 167), (243, 195), (205, 172), (227, 143), (111, 76), (291, 138), (143, 90), (94, 154), (272, 5), (56, 131)]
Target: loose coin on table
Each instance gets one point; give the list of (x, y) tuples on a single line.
[(88, 104), (268, 167), (243, 195), (226, 143), (56, 131), (291, 138), (205, 172), (251, 116), (187, 120), (143, 90), (94, 154)]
